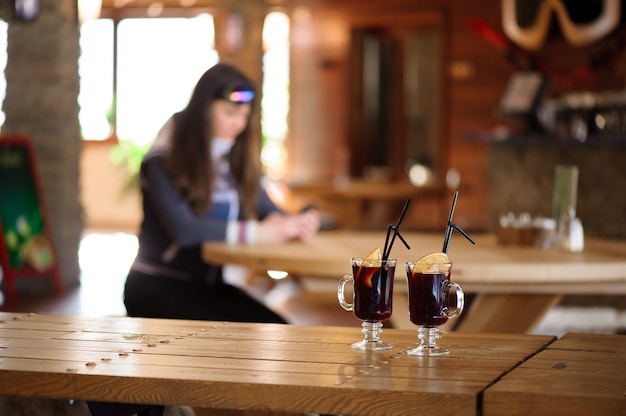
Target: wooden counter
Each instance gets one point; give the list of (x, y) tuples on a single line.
[(307, 369)]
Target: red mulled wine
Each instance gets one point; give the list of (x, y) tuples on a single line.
[(428, 299), (373, 291)]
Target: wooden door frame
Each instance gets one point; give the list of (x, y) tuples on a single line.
[(434, 19)]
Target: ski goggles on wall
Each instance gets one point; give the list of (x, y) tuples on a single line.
[(582, 22), (236, 94)]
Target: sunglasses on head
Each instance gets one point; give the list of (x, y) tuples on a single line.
[(238, 95)]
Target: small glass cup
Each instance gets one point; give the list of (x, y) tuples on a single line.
[(372, 298), (429, 304)]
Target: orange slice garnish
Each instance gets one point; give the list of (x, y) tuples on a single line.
[(374, 257), (429, 262)]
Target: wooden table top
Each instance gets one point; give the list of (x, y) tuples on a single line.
[(579, 374), (249, 366), (485, 267)]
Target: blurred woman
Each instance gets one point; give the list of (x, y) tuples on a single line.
[(200, 182)]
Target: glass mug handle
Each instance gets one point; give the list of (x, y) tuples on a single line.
[(460, 300), (340, 293)]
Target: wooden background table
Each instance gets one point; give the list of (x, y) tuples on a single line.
[(515, 286), (578, 375), (268, 367), (355, 204)]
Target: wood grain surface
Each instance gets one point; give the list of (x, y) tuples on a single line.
[(249, 366), (579, 374)]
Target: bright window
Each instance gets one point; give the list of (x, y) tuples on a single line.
[(275, 101), (95, 69), (159, 61)]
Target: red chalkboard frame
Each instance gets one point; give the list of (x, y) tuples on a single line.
[(26, 245)]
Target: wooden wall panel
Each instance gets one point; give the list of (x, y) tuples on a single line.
[(471, 98)]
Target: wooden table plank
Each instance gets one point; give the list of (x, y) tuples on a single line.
[(249, 366), (579, 374)]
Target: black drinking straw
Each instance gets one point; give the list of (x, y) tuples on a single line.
[(452, 226), (448, 234), (396, 232), (389, 228)]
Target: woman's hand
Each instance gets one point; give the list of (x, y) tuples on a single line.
[(308, 224), (279, 228)]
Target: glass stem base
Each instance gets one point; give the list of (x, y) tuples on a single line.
[(371, 340), (428, 343)]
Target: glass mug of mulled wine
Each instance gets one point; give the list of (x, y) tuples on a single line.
[(372, 298), (430, 300)]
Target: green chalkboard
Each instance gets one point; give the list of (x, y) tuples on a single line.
[(26, 248)]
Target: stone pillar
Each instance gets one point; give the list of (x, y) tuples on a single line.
[(41, 102)]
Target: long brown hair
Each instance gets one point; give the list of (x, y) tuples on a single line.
[(189, 157)]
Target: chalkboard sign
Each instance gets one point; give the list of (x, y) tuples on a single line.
[(26, 246)]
